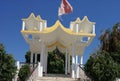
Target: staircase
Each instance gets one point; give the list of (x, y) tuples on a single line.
[(55, 77)]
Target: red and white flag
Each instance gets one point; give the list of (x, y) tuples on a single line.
[(64, 8)]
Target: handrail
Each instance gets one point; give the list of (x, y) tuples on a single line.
[(83, 74), (81, 67), (33, 74), (33, 68)]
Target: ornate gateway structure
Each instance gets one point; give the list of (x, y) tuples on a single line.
[(71, 41)]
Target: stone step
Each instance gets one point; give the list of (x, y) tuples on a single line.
[(55, 77)]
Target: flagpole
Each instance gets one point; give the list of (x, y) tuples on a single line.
[(60, 18), (64, 8)]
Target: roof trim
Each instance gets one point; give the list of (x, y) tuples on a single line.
[(56, 44), (54, 27), (38, 18)]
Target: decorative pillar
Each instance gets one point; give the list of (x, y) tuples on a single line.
[(40, 26), (45, 23), (43, 63), (93, 29), (31, 58), (77, 67), (77, 28), (46, 59), (76, 59), (81, 61), (23, 25), (35, 60), (73, 61), (41, 59), (66, 62)]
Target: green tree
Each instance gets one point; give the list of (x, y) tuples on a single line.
[(56, 62), (110, 42), (101, 67), (24, 72), (27, 57), (115, 43), (118, 69), (104, 39), (104, 65), (7, 65)]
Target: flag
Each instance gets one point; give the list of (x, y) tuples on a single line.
[(64, 8)]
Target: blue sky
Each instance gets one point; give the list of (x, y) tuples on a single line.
[(104, 12)]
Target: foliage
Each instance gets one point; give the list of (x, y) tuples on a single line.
[(27, 57), (118, 69), (110, 42), (104, 65), (24, 72), (7, 65), (101, 67), (56, 62)]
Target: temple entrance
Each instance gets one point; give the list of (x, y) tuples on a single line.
[(56, 62)]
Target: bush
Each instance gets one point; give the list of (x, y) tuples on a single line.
[(24, 72), (101, 67)]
